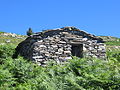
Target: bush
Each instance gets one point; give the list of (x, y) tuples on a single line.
[(6, 51), (29, 32), (6, 79), (76, 74), (114, 55)]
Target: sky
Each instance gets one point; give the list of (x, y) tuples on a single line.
[(98, 17)]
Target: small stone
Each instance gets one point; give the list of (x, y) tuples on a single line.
[(60, 45), (101, 47), (54, 57), (39, 60), (95, 47), (38, 57), (67, 49), (2, 43), (54, 46), (43, 51), (84, 49), (60, 50), (67, 52), (61, 58), (103, 51), (91, 48), (65, 33), (94, 56), (47, 55), (94, 51), (62, 42), (58, 53), (70, 38), (40, 41), (67, 58), (42, 46), (8, 41)]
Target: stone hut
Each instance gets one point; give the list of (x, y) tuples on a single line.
[(60, 45)]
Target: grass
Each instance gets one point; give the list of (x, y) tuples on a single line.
[(113, 43), (1, 32), (13, 40)]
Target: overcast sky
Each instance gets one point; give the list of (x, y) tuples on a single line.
[(98, 17)]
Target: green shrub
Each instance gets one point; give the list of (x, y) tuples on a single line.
[(29, 32), (96, 74), (114, 55), (6, 51), (6, 78), (76, 74)]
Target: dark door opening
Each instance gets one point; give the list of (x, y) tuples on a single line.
[(77, 50)]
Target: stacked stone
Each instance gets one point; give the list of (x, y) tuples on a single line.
[(94, 49), (56, 45), (51, 48)]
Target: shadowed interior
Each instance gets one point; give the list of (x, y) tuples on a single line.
[(77, 50)]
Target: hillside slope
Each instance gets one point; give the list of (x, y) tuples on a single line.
[(7, 38), (112, 43), (109, 38)]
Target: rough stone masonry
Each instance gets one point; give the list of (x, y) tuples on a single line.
[(60, 45)]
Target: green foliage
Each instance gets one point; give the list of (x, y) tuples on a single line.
[(1, 32), (6, 78), (113, 55), (113, 43), (76, 74), (29, 32), (6, 51)]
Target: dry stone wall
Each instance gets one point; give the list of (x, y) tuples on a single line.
[(57, 45)]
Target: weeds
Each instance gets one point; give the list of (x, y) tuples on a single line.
[(77, 74)]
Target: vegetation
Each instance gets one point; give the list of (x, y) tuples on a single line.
[(29, 32), (109, 38), (113, 43), (1, 32), (7, 38), (76, 74), (110, 41)]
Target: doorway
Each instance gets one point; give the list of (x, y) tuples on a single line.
[(77, 50)]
